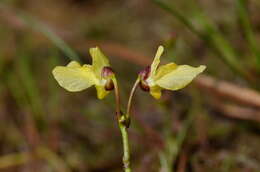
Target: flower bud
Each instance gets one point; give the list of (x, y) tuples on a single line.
[(109, 85), (107, 72)]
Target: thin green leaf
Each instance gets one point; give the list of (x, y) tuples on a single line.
[(248, 30)]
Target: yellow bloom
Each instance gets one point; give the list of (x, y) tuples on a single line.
[(170, 76), (75, 77)]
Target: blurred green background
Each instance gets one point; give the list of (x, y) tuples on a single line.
[(212, 125)]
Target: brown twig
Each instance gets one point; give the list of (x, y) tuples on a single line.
[(229, 90), (237, 112)]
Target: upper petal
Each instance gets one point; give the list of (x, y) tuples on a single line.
[(73, 77), (99, 60), (165, 69), (74, 64), (179, 77), (156, 60)]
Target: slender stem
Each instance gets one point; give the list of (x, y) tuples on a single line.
[(123, 129), (129, 104), (117, 96), (126, 156)]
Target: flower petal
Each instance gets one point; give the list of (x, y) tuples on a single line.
[(155, 91), (99, 60), (73, 77), (156, 60), (74, 64), (165, 69), (101, 92), (179, 77)]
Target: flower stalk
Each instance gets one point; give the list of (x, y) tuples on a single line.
[(123, 122), (129, 104), (126, 156), (117, 97)]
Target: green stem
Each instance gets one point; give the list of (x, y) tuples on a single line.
[(248, 30), (129, 104), (123, 129), (117, 96), (126, 156), (123, 125)]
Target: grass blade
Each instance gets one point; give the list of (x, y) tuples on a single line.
[(38, 26), (248, 30), (211, 35)]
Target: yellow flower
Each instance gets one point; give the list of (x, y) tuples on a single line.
[(170, 76), (75, 77)]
